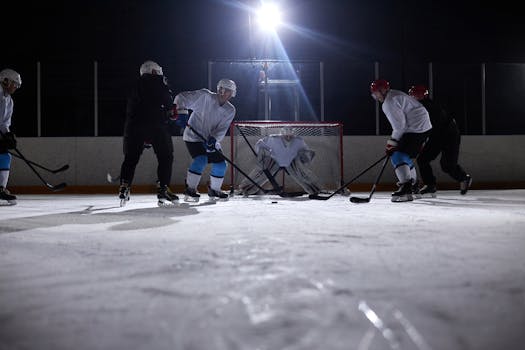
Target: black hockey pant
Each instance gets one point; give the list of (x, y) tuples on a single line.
[(445, 142), (133, 148)]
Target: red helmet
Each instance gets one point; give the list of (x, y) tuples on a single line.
[(419, 92), (379, 84)]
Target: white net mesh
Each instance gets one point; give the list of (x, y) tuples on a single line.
[(324, 138)]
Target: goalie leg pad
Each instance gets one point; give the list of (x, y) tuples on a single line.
[(258, 176), (304, 177)]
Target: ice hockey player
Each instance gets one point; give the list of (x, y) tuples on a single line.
[(149, 107), (410, 128), (212, 114), (10, 81), (444, 139), (282, 151)]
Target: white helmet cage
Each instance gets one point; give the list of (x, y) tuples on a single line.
[(11, 75), (287, 131), (227, 84), (148, 67)]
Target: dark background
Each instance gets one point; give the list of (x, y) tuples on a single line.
[(182, 36)]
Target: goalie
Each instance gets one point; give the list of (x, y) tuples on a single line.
[(284, 151)]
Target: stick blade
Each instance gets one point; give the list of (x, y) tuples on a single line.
[(319, 197), (58, 187), (291, 194), (359, 200)]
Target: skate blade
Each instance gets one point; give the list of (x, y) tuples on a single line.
[(191, 199), (218, 199), (164, 203), (428, 195), (7, 203), (399, 199), (123, 202)]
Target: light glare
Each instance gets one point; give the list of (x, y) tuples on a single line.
[(269, 17)]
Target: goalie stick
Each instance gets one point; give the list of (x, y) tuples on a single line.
[(366, 200), (58, 187), (54, 171), (318, 197)]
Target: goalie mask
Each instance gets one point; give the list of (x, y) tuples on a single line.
[(149, 66), (228, 85), (287, 133)]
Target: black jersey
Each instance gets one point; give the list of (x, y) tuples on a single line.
[(148, 103), (439, 117)]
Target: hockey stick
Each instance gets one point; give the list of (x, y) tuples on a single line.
[(229, 161), (54, 171), (58, 187), (366, 200), (316, 196), (266, 172)]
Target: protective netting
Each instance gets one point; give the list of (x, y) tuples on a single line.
[(324, 138)]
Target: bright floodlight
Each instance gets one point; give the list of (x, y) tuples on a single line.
[(269, 17)]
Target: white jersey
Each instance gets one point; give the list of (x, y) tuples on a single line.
[(6, 110), (208, 117), (282, 151), (405, 114)]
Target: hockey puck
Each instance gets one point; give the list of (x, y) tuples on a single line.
[(274, 202)]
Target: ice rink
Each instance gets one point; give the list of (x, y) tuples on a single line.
[(79, 272)]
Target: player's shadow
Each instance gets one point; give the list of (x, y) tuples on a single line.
[(470, 202), (273, 197), (134, 219)]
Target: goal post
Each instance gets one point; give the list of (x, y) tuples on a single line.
[(324, 138)]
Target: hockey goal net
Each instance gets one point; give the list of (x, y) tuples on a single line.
[(324, 138)]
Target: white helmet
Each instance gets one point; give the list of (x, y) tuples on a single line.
[(227, 84), (10, 75), (149, 66)]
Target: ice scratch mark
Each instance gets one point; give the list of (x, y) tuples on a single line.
[(412, 332), (366, 341), (378, 323)]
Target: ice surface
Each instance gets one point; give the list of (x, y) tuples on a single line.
[(79, 272)]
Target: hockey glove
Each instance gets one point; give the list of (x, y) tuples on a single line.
[(210, 144), (8, 141), (391, 147), (182, 117), (306, 156)]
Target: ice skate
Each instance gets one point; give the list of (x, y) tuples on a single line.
[(428, 191), (404, 193), (166, 197), (213, 194), (191, 195), (123, 194), (6, 196), (465, 185), (416, 192)]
